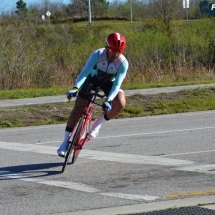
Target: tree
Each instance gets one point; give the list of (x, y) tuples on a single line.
[(77, 8), (164, 10), (80, 7), (21, 8), (99, 7)]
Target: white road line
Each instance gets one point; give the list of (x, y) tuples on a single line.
[(130, 196), (50, 142), (188, 153), (177, 164), (201, 168), (99, 155), (159, 132), (50, 150), (76, 186)]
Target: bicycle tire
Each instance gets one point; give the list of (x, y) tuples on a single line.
[(71, 147), (68, 155), (77, 152), (74, 158)]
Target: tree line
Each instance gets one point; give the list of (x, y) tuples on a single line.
[(141, 9)]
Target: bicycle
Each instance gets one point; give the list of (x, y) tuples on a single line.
[(80, 133)]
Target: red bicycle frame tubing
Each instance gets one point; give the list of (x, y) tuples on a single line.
[(87, 111)]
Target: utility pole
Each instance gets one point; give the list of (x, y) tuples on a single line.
[(89, 12), (131, 10)]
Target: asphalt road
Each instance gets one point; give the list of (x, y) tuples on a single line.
[(133, 161)]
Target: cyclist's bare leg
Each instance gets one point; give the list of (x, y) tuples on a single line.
[(118, 104), (77, 110)]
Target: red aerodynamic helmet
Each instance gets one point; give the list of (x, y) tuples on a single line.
[(116, 41)]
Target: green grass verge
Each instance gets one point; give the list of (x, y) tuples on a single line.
[(165, 84), (32, 93), (183, 101), (137, 105)]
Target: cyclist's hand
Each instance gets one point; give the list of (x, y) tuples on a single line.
[(106, 105), (72, 93)]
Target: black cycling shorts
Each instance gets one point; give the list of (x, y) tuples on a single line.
[(105, 86)]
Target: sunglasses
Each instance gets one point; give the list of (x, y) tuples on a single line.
[(113, 51)]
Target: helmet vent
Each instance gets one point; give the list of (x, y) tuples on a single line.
[(122, 44), (114, 43), (118, 43)]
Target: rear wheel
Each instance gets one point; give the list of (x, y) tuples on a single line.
[(72, 144)]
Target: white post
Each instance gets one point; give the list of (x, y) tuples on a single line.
[(89, 12), (186, 10), (43, 19)]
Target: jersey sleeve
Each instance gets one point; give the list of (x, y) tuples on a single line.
[(93, 59), (118, 81)]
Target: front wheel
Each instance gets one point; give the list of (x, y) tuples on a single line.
[(75, 155), (68, 155), (85, 134), (78, 132), (72, 146)]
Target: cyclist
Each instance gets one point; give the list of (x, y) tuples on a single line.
[(106, 68)]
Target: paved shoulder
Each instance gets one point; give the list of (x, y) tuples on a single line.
[(165, 89), (59, 99)]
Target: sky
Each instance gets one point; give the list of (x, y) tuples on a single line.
[(8, 4), (5, 4)]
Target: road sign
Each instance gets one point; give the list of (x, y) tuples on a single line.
[(48, 13), (185, 3), (43, 17)]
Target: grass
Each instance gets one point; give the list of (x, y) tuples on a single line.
[(104, 22), (184, 101), (165, 84), (32, 93), (185, 53), (137, 105)]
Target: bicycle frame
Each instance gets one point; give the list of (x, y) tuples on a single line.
[(87, 112), (87, 120)]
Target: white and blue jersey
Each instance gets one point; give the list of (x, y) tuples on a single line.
[(104, 72)]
